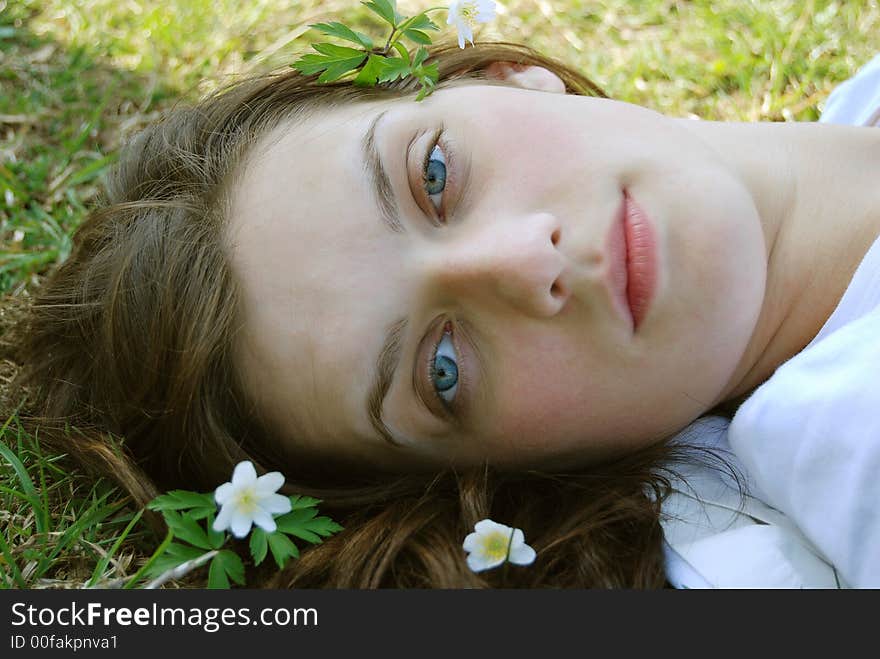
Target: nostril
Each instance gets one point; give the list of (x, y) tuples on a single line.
[(556, 291), (554, 237)]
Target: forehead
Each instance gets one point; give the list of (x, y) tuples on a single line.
[(310, 254)]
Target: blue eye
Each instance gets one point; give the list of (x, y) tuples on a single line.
[(434, 175), (444, 369)]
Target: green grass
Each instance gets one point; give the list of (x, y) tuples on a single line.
[(59, 529), (78, 76)]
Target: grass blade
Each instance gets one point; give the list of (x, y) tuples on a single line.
[(27, 485), (102, 564), (10, 561), (146, 566)]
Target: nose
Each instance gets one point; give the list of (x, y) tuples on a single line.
[(514, 262)]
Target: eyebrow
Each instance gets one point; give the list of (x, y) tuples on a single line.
[(382, 191), (386, 364)]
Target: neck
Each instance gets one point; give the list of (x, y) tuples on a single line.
[(815, 188)]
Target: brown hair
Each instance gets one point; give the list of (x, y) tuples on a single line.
[(132, 337)]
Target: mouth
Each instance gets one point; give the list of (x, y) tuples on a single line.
[(641, 261), (632, 273)]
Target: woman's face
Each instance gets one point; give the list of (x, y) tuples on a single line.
[(474, 320)]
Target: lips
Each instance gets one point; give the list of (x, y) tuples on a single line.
[(616, 274), (632, 252), (641, 261)]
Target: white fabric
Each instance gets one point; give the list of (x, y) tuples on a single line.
[(807, 442), (810, 435), (716, 538), (856, 101)]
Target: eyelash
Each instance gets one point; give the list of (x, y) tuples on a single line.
[(451, 407), (436, 141)]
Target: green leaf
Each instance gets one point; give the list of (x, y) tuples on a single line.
[(173, 556), (394, 68), (417, 36), (181, 500), (335, 61), (336, 71), (282, 548), (324, 526), (400, 48), (387, 9), (420, 56), (428, 84), (340, 31), (217, 579), (259, 545), (201, 513), (303, 524), (298, 501), (427, 75), (186, 528), (369, 75), (337, 52), (311, 64), (422, 22), (232, 565), (215, 538), (295, 517)]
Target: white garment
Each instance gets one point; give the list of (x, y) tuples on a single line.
[(810, 435), (828, 490), (715, 538), (857, 101)]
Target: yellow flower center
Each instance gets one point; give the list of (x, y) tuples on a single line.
[(247, 502), (468, 11), (495, 546)]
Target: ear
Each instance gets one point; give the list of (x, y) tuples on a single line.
[(526, 76)]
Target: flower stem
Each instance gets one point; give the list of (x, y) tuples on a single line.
[(504, 568), (402, 27)]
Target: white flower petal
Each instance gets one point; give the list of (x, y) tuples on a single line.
[(465, 32), (264, 520), (222, 493), (518, 538), (483, 545), (478, 562), (240, 523), (269, 483), (522, 555), (244, 473), (471, 542), (277, 504), (487, 526), (485, 10), (221, 523), (459, 13)]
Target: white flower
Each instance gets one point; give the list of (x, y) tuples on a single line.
[(491, 544), (250, 500), (465, 14)]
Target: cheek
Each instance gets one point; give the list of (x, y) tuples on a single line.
[(540, 396), (715, 283), (559, 395), (538, 159)]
